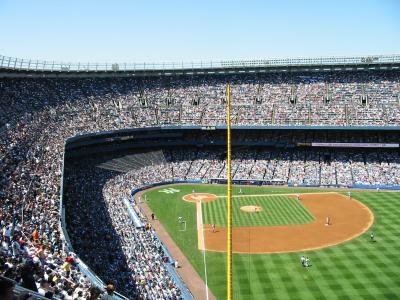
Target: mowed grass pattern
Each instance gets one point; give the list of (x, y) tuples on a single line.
[(277, 210), (357, 269)]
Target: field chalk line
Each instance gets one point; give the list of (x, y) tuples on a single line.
[(201, 240)]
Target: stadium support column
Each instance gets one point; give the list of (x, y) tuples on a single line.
[(229, 198), (156, 112)]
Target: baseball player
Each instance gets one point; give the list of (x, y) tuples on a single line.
[(372, 237), (302, 260), (213, 227), (307, 262), (328, 221)]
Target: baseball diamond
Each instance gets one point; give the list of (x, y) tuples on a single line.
[(278, 232), (273, 239)]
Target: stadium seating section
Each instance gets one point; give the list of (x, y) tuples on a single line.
[(38, 115)]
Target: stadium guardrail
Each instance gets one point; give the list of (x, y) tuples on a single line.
[(248, 181), (376, 187), (19, 290), (352, 186), (132, 214), (13, 63)]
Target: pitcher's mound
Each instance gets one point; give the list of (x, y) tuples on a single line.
[(251, 208), (197, 197)]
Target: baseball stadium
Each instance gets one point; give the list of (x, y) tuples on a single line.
[(152, 188), (275, 178)]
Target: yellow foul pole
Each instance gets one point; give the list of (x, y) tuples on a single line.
[(229, 198)]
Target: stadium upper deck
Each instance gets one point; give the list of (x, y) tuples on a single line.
[(296, 99)]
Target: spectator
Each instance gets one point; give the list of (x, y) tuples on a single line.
[(94, 293), (110, 293)]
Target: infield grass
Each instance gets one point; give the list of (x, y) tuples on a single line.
[(276, 210), (357, 269)]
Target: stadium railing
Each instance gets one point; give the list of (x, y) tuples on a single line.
[(19, 290), (351, 186), (132, 214), (13, 63)]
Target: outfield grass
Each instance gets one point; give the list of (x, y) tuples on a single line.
[(357, 269), (277, 210)]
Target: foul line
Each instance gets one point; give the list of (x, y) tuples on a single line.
[(200, 236), (201, 240)]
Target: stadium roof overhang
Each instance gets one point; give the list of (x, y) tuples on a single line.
[(188, 136), (122, 132), (14, 67)]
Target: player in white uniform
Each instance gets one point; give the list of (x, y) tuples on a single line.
[(302, 260)]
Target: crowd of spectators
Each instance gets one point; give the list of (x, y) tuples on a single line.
[(98, 221), (315, 167), (36, 264), (37, 115), (278, 99)]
